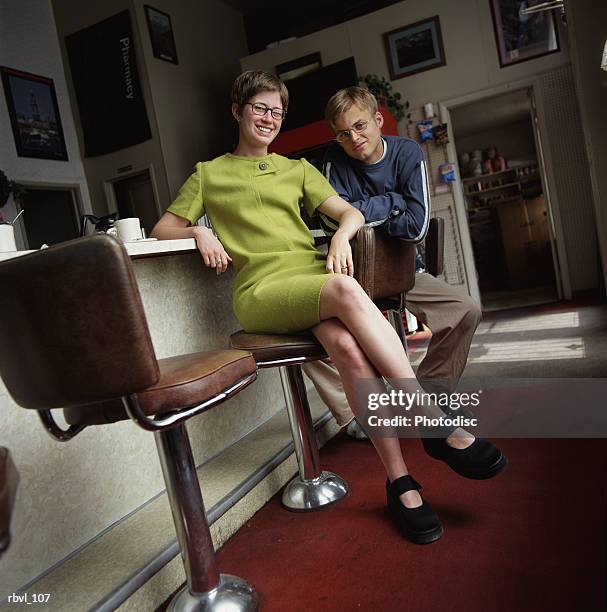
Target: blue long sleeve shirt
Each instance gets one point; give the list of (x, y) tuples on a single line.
[(393, 192)]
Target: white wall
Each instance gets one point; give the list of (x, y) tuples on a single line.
[(192, 100), (28, 42)]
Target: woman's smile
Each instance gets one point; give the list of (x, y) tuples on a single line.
[(258, 131)]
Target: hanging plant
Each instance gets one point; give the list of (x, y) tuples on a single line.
[(382, 89), (8, 187)]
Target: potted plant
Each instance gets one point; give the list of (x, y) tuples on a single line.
[(382, 89)]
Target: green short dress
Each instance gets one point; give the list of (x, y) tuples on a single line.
[(253, 204)]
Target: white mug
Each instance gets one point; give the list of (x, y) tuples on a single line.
[(127, 229), (7, 238)]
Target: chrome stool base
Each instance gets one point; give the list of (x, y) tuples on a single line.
[(232, 593), (309, 495)]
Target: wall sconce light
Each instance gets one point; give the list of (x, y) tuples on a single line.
[(604, 60)]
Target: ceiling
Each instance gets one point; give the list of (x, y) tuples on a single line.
[(268, 24), (490, 113)]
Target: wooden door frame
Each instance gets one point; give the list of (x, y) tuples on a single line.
[(110, 194), (561, 267)]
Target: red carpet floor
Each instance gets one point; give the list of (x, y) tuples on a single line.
[(534, 538)]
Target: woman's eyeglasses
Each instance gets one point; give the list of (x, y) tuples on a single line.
[(261, 109), (357, 128)]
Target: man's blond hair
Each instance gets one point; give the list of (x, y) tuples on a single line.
[(344, 99)]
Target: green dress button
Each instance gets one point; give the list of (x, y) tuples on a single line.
[(263, 165)]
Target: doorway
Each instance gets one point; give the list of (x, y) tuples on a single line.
[(134, 197), (50, 216), (507, 209)]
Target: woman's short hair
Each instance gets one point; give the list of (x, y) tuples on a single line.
[(345, 98), (252, 82)]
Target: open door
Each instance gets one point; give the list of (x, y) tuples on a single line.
[(546, 190), (502, 202)]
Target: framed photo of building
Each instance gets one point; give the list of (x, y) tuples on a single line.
[(34, 115), (161, 35), (414, 48), (522, 37)]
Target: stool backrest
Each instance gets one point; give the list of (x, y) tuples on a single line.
[(384, 266), (73, 330), (435, 246)]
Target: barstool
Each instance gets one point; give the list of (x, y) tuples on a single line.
[(80, 341), (313, 488), (385, 268), (9, 479)]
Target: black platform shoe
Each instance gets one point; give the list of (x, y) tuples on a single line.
[(482, 459), (419, 525)]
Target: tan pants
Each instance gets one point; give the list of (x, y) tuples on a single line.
[(452, 319)]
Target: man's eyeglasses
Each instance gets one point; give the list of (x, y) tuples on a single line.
[(357, 128), (261, 109)]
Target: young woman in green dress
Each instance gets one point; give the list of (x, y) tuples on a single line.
[(284, 285)]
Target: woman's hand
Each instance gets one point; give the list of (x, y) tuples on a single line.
[(172, 227), (339, 259), (212, 251)]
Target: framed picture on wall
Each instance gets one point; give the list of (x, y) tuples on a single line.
[(414, 48), (161, 35), (522, 37), (34, 115)]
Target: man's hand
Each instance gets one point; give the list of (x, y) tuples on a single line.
[(212, 251), (339, 259)]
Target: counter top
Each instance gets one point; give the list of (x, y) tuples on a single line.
[(150, 248), (154, 248), (137, 249)]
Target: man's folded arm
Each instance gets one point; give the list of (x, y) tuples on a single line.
[(406, 214)]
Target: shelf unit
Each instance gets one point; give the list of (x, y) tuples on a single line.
[(489, 190)]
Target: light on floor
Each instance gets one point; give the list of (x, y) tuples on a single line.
[(538, 322), (528, 350)]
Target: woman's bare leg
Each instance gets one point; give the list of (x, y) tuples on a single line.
[(343, 298), (353, 365)]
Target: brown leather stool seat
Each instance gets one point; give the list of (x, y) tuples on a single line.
[(267, 348), (9, 479), (183, 381), (99, 365)]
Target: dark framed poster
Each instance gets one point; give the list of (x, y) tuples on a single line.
[(104, 72), (34, 115), (414, 48), (161, 34), (521, 37)]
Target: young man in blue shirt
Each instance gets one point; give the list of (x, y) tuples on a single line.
[(385, 177)]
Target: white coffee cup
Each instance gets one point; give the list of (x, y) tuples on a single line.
[(129, 229), (7, 238)]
